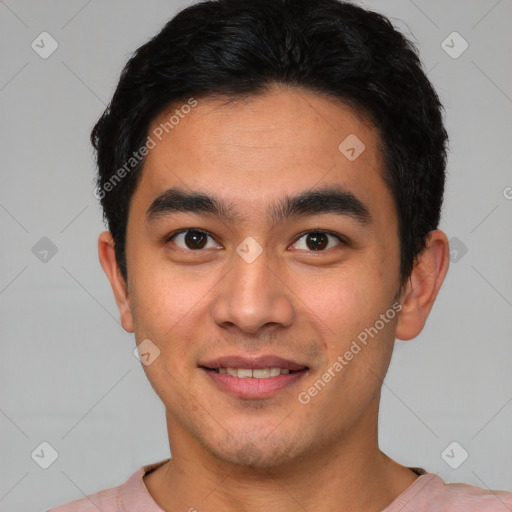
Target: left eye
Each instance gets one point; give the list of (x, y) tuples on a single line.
[(316, 241), (193, 239)]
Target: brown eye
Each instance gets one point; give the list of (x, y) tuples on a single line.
[(193, 239), (316, 241)]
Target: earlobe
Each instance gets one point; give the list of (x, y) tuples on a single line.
[(423, 286), (107, 257)]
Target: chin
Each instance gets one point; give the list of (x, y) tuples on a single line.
[(257, 455)]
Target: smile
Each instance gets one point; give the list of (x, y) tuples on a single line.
[(253, 383)]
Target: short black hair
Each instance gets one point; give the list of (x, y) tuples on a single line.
[(241, 48)]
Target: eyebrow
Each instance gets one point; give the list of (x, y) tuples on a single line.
[(333, 199)]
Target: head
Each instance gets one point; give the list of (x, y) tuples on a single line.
[(306, 135)]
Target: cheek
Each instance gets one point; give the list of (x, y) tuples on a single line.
[(170, 307), (167, 310), (349, 306), (164, 302), (352, 294)]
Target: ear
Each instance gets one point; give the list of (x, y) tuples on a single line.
[(420, 292), (108, 261)]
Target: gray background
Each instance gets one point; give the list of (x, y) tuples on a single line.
[(67, 372)]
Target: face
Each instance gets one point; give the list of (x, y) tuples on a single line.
[(294, 254)]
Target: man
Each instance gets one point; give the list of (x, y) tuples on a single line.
[(272, 175)]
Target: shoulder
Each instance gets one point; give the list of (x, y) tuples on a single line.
[(106, 501), (429, 493), (132, 495), (102, 500), (463, 497)]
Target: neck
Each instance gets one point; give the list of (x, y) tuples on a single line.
[(352, 474)]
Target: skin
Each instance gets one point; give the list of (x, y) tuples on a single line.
[(237, 454)]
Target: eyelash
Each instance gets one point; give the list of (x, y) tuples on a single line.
[(340, 238)]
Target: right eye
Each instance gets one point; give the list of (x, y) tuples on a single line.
[(192, 239)]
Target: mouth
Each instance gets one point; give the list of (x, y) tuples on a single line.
[(254, 373), (260, 377)]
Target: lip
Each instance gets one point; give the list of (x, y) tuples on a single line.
[(267, 361), (251, 387)]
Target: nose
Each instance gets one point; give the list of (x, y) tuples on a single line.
[(253, 297)]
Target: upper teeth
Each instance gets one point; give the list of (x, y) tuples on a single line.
[(257, 373)]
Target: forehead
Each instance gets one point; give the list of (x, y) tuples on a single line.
[(256, 150)]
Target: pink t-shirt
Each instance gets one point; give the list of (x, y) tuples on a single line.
[(428, 493)]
